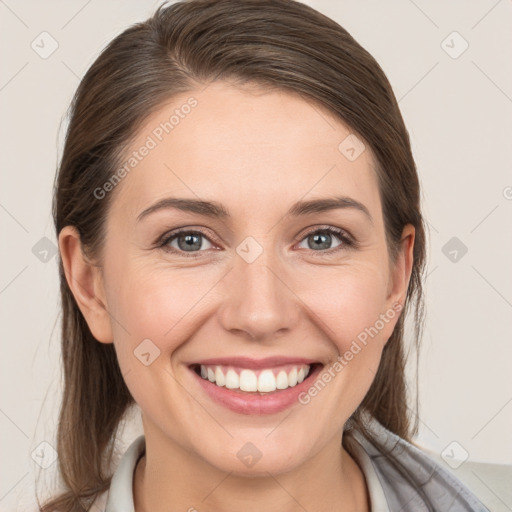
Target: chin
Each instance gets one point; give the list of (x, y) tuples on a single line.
[(245, 459)]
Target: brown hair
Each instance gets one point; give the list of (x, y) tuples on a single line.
[(279, 44)]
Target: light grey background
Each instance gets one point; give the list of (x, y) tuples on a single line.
[(458, 110)]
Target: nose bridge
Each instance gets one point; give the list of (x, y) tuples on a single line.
[(258, 298)]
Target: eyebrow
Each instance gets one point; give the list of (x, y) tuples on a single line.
[(216, 210)]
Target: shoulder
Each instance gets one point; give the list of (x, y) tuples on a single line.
[(412, 480)]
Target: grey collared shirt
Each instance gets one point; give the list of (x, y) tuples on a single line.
[(399, 477)]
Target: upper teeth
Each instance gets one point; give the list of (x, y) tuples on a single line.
[(268, 380)]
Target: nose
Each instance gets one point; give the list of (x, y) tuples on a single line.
[(259, 298)]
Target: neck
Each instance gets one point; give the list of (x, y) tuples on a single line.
[(169, 478)]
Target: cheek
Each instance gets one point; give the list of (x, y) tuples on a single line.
[(154, 312), (349, 308), (147, 309), (350, 303), (156, 303)]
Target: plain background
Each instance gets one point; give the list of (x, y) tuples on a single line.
[(457, 106)]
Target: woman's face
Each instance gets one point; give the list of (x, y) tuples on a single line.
[(261, 281)]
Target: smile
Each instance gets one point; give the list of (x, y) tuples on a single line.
[(265, 381), (247, 386)]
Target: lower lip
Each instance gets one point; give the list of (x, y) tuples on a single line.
[(253, 403)]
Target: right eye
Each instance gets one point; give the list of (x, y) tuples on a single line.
[(188, 241)]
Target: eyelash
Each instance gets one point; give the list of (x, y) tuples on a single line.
[(347, 241)]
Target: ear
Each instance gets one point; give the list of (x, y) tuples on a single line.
[(400, 270), (86, 283)]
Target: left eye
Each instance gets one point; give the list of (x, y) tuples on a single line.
[(323, 238)]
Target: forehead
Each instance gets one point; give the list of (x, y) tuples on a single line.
[(236, 144)]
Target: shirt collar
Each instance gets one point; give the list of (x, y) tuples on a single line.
[(120, 495)]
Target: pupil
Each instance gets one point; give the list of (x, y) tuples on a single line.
[(317, 238), (189, 242)]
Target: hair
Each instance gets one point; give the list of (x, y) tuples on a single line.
[(278, 44)]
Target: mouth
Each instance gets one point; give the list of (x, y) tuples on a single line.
[(256, 381), (262, 388)]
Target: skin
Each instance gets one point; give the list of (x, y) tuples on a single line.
[(256, 152)]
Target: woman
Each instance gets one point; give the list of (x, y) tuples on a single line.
[(240, 232)]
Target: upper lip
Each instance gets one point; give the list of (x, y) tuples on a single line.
[(248, 362)]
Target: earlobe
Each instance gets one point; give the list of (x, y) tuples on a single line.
[(86, 283), (402, 268)]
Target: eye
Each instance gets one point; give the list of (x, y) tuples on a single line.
[(190, 243), (185, 241), (321, 238)]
